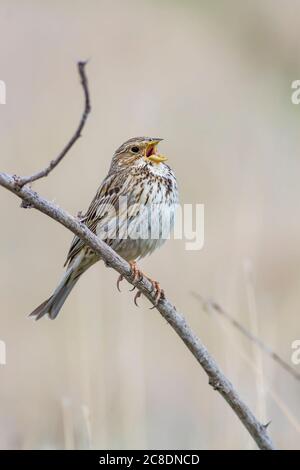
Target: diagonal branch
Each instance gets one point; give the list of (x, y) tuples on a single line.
[(175, 319), (216, 378), (87, 108)]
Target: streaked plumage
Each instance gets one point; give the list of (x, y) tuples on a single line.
[(139, 195)]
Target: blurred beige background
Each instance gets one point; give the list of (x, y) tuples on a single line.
[(213, 79)]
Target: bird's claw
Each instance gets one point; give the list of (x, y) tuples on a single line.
[(136, 273), (137, 295), (159, 293), (137, 276), (120, 279)]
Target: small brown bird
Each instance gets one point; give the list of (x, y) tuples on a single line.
[(133, 212)]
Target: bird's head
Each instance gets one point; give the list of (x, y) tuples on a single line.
[(138, 150)]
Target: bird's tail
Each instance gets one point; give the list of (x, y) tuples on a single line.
[(53, 305)]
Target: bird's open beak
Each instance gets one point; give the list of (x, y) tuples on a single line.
[(152, 155)]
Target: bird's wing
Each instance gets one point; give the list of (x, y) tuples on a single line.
[(100, 208)]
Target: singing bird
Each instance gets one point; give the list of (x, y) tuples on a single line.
[(132, 211)]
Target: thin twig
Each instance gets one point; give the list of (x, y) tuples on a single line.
[(87, 108), (216, 378), (226, 328), (218, 309)]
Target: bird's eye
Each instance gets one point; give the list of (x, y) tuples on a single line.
[(135, 149)]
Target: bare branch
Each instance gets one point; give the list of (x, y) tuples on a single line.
[(87, 108), (177, 321), (216, 378), (218, 309)]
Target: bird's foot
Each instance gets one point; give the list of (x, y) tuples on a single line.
[(135, 272), (137, 276), (159, 292)]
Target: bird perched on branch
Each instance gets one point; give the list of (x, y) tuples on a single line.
[(132, 211)]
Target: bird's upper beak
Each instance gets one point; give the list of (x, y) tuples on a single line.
[(152, 154)]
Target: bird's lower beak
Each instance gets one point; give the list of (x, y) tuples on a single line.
[(152, 155)]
